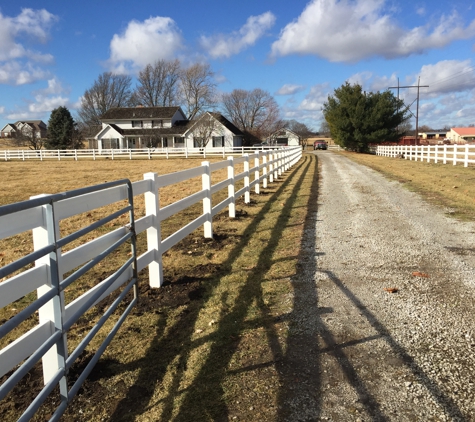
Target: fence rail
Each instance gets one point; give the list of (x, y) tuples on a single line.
[(55, 270), (446, 154), (144, 153)]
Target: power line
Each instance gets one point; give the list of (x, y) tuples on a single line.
[(455, 75), (418, 86)]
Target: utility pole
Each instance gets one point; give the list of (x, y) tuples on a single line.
[(418, 86)]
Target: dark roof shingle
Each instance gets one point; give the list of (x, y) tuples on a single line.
[(123, 113)]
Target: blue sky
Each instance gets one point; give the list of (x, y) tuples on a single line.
[(299, 51)]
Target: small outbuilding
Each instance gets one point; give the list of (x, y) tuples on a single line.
[(284, 137)]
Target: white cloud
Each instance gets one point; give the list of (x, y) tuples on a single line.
[(44, 101), (144, 42), (421, 11), (315, 99), (343, 31), (448, 76), (54, 87), (17, 59), (17, 73), (227, 45), (2, 109), (289, 89)]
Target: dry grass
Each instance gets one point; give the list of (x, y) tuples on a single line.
[(205, 346), (445, 185)]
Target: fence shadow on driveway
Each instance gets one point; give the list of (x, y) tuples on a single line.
[(371, 406), (204, 398)]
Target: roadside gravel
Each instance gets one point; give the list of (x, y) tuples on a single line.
[(369, 354)]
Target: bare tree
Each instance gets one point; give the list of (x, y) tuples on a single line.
[(324, 128), (29, 136), (197, 89), (301, 129), (204, 129), (158, 84), (109, 90), (255, 112)]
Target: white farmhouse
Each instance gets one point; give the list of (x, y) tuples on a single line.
[(164, 127)]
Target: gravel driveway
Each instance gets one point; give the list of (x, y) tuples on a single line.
[(359, 349)]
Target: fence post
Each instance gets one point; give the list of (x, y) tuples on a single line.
[(264, 169), (148, 153), (271, 166), (53, 311), (247, 193), (23, 155), (465, 163), (207, 204), (166, 151), (186, 151), (231, 188), (130, 154), (154, 233), (436, 154), (112, 154), (455, 154), (94, 155), (256, 172), (444, 157)]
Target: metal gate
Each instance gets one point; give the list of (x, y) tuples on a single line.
[(47, 341)]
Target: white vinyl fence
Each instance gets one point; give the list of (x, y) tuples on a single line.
[(445, 154), (144, 153), (50, 270)]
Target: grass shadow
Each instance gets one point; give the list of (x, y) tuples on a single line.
[(204, 397)]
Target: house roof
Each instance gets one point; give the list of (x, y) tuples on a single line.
[(221, 119), (124, 113), (225, 122), (464, 130), (179, 129), (34, 124), (284, 129), (12, 125)]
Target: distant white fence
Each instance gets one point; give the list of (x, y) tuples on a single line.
[(445, 154), (144, 153), (54, 271)]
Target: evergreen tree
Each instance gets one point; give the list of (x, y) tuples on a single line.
[(357, 119), (61, 128)]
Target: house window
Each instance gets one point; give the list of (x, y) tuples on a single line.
[(137, 123), (218, 141)]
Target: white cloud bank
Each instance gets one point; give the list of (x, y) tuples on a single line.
[(19, 64), (447, 101), (145, 42), (349, 31), (227, 45), (289, 89)]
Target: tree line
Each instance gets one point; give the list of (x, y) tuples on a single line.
[(169, 83), (354, 118)]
